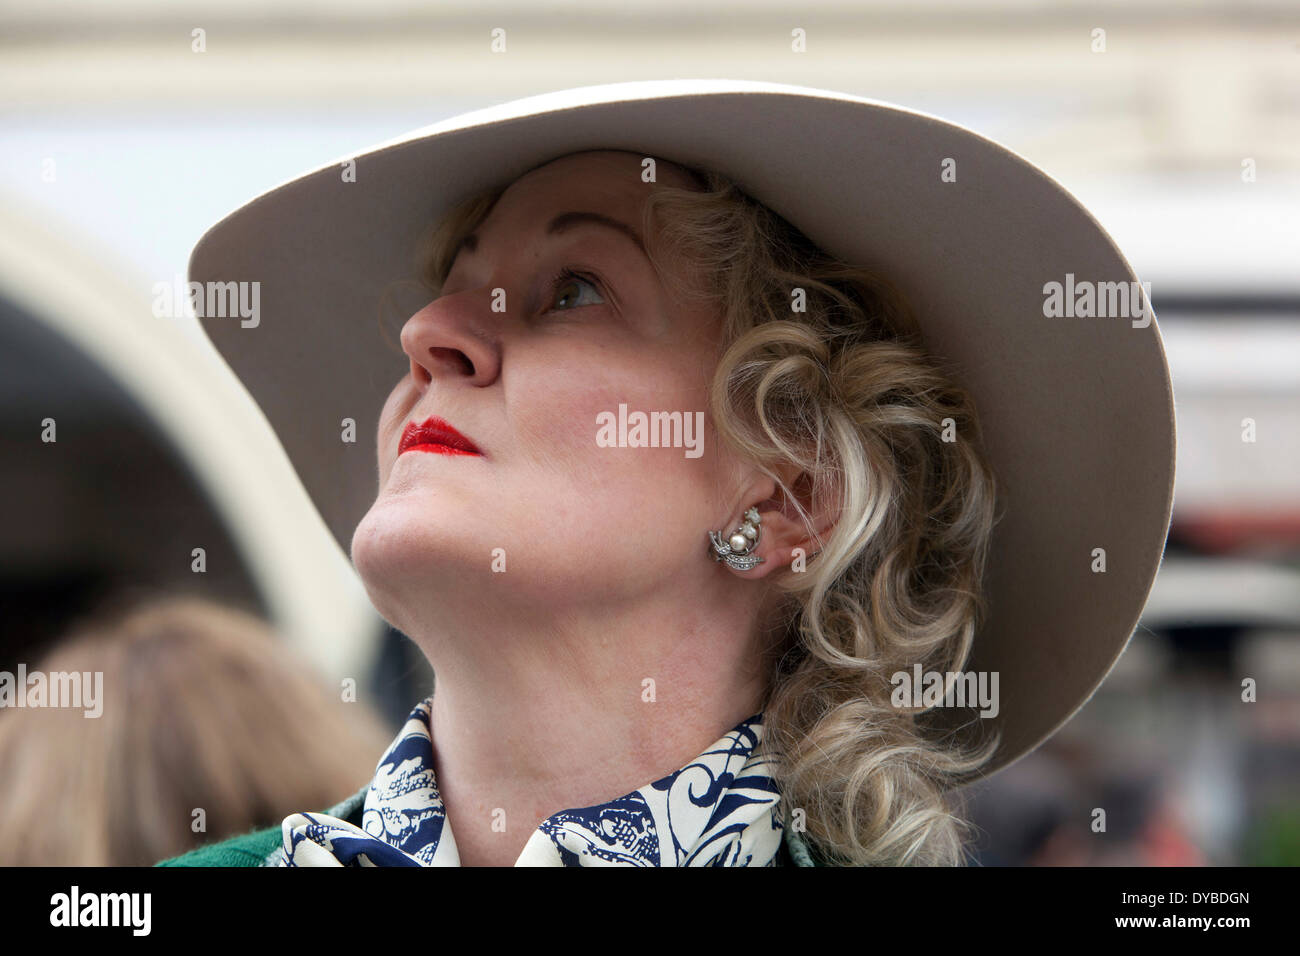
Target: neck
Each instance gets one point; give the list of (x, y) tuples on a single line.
[(561, 711)]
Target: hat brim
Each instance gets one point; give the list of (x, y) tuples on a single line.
[(1078, 412)]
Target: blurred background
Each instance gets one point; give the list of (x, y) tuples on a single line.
[(127, 129)]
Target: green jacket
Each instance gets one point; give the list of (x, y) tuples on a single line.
[(253, 848)]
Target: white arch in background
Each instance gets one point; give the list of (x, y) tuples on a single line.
[(316, 599)]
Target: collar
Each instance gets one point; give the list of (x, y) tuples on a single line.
[(721, 809)]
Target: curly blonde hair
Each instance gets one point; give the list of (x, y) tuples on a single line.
[(845, 395)]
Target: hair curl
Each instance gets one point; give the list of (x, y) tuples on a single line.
[(845, 395)]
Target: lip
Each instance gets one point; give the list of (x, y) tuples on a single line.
[(437, 436)]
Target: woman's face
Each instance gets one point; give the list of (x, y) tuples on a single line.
[(547, 517)]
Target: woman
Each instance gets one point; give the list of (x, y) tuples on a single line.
[(614, 685)]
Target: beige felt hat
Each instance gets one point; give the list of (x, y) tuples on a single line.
[(1074, 397)]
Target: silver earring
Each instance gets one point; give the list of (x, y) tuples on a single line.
[(737, 550)]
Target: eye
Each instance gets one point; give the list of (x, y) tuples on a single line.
[(569, 282)]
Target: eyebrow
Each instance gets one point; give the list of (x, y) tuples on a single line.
[(568, 220)]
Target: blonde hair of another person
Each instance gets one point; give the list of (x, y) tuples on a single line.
[(202, 710)]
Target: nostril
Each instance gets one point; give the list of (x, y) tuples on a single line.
[(453, 355)]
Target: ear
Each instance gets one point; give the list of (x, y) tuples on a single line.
[(785, 536)]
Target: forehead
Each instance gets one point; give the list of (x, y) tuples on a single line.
[(607, 181)]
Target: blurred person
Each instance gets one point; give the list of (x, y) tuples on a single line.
[(1143, 827), (204, 720), (686, 652), (1041, 813), (1031, 814)]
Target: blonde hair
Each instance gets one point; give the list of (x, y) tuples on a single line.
[(845, 395), (202, 708)]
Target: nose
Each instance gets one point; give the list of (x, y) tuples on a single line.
[(443, 341)]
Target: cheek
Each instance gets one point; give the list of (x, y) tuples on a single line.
[(384, 435), (559, 413), (562, 421), (558, 429)]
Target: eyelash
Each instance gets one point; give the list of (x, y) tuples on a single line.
[(566, 274)]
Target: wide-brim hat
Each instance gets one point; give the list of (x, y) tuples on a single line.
[(1076, 408)]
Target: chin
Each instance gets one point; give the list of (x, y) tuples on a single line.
[(394, 551)]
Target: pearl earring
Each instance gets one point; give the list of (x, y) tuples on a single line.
[(737, 550)]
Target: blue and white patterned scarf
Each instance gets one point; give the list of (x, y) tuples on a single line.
[(719, 810)]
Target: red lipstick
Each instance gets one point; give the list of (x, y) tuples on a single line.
[(437, 436)]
